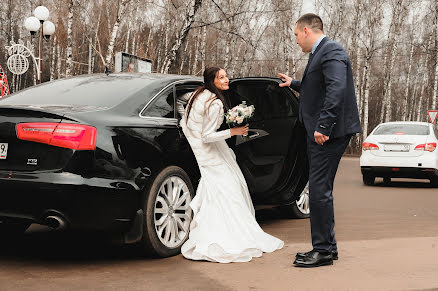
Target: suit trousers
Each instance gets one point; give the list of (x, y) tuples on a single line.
[(323, 164)]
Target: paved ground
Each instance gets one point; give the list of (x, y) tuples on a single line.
[(388, 240)]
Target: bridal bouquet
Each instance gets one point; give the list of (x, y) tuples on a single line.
[(239, 114)]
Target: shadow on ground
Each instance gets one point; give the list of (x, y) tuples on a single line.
[(41, 243), (405, 183)]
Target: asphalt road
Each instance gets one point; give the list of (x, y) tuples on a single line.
[(387, 236)]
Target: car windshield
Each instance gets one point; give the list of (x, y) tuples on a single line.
[(95, 90), (402, 129)]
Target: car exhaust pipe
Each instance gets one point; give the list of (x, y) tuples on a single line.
[(55, 222)]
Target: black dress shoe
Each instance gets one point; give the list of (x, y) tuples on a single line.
[(314, 259), (300, 255)]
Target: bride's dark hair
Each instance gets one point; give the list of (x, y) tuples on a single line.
[(209, 76)]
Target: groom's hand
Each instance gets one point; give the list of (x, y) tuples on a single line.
[(286, 79), (320, 138)]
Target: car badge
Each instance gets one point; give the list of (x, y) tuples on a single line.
[(32, 162)]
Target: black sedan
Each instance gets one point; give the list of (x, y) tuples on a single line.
[(106, 153)]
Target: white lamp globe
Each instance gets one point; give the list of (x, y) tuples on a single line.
[(41, 12), (32, 24), (48, 28)]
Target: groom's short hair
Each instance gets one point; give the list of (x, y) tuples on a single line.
[(312, 21)]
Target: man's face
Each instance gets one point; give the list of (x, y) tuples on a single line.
[(302, 36)]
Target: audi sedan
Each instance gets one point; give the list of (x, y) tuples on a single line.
[(106, 153), (400, 150)]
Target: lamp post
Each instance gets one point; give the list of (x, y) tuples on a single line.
[(34, 23)]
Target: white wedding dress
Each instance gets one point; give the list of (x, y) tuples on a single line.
[(224, 228)]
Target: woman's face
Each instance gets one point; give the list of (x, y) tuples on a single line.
[(221, 81)]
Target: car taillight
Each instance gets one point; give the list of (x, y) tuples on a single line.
[(430, 147), (66, 135), (366, 146)]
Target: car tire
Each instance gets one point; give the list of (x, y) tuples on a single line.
[(368, 179), (13, 228), (167, 218), (386, 181), (434, 181), (300, 208)]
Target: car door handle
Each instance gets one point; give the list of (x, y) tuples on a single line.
[(254, 135), (257, 133)]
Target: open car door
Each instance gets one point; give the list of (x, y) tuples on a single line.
[(273, 158)]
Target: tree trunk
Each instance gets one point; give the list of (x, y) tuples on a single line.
[(52, 63), (127, 38), (195, 61), (181, 36), (58, 61), (366, 96), (393, 37), (69, 48), (203, 47), (90, 53), (435, 83), (408, 83), (183, 59), (112, 41), (148, 42), (424, 82)]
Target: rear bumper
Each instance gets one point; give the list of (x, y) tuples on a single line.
[(86, 206), (425, 160), (400, 172)]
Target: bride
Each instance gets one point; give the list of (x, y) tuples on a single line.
[(224, 228)]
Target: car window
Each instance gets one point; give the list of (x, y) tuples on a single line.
[(182, 93), (162, 105), (402, 129), (270, 100)]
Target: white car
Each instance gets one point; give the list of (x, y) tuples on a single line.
[(402, 149)]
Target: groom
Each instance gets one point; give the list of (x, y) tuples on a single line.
[(329, 113)]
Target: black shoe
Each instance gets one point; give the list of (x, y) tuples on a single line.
[(314, 259), (301, 255)]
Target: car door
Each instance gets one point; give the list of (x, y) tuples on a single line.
[(269, 156)]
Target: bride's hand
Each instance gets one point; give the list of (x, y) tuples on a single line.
[(242, 130)]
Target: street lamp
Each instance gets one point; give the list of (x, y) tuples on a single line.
[(34, 23)]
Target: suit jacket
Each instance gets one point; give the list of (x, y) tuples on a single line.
[(327, 99)]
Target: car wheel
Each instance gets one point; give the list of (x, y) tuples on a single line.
[(167, 213), (13, 228), (300, 208), (386, 181), (434, 181), (368, 179)]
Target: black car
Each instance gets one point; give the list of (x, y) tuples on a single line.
[(106, 153)]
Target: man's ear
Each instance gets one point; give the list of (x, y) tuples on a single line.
[(306, 30)]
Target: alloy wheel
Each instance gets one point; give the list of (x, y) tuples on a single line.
[(172, 212)]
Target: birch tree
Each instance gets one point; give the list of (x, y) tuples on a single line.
[(404, 114), (69, 49), (435, 82), (121, 7), (398, 13), (374, 15), (181, 36)]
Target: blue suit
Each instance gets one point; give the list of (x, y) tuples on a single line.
[(327, 105)]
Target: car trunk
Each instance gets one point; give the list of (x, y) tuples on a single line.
[(25, 155), (398, 145)]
